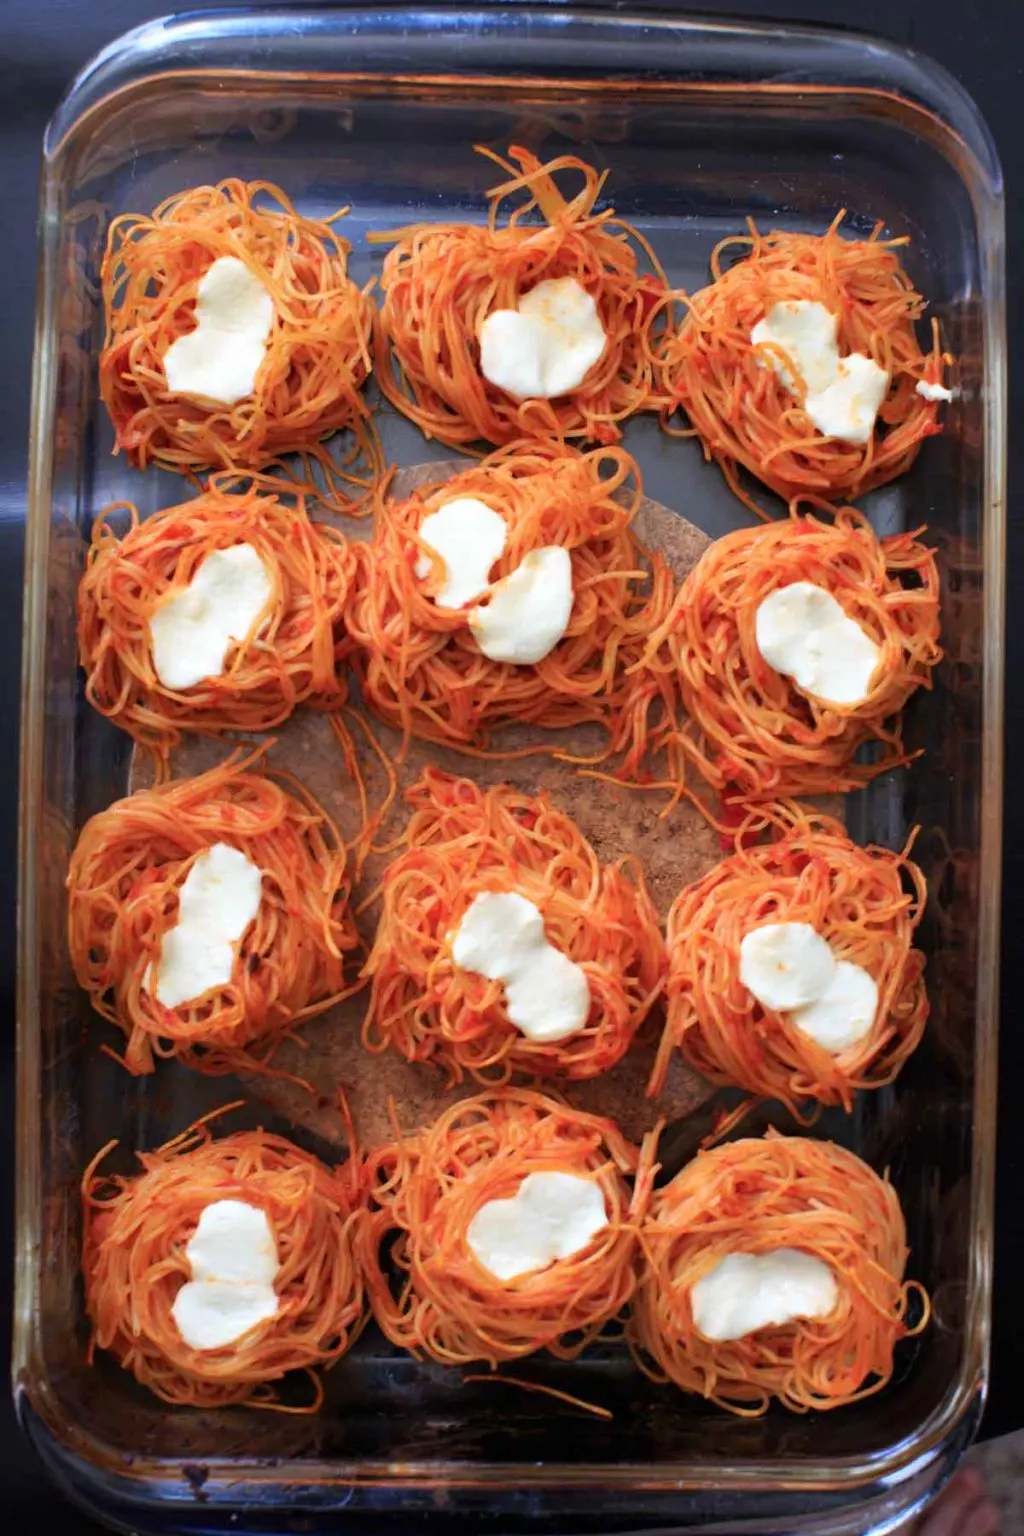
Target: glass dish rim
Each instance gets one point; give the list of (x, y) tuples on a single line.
[(136, 61)]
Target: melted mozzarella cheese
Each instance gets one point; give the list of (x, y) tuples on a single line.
[(551, 1216), (218, 900), (933, 391), (220, 359), (233, 1258), (804, 334), (803, 632), (527, 612), (786, 965), (192, 631), (469, 536), (745, 1292), (501, 935), (790, 968), (848, 408), (547, 346), (844, 1012), (843, 395)]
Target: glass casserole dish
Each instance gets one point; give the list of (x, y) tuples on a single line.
[(701, 125)]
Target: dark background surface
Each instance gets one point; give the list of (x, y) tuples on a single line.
[(42, 45)]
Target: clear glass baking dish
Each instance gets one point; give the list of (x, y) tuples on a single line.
[(700, 124)]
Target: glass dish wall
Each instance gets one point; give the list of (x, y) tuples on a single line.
[(700, 126)]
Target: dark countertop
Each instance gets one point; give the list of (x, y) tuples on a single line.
[(44, 42)]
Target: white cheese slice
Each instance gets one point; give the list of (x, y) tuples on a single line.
[(803, 632), (220, 359), (551, 1216), (501, 936), (933, 391), (547, 346), (469, 536), (528, 611), (233, 1258), (192, 631), (218, 900), (745, 1292), (845, 1011), (786, 965), (843, 395)]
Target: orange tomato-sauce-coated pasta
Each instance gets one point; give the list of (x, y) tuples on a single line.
[(123, 883), (429, 1292), (318, 357), (134, 1261), (747, 415), (749, 729), (756, 1196), (864, 902), (290, 656), (440, 281), (460, 841), (420, 667)]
